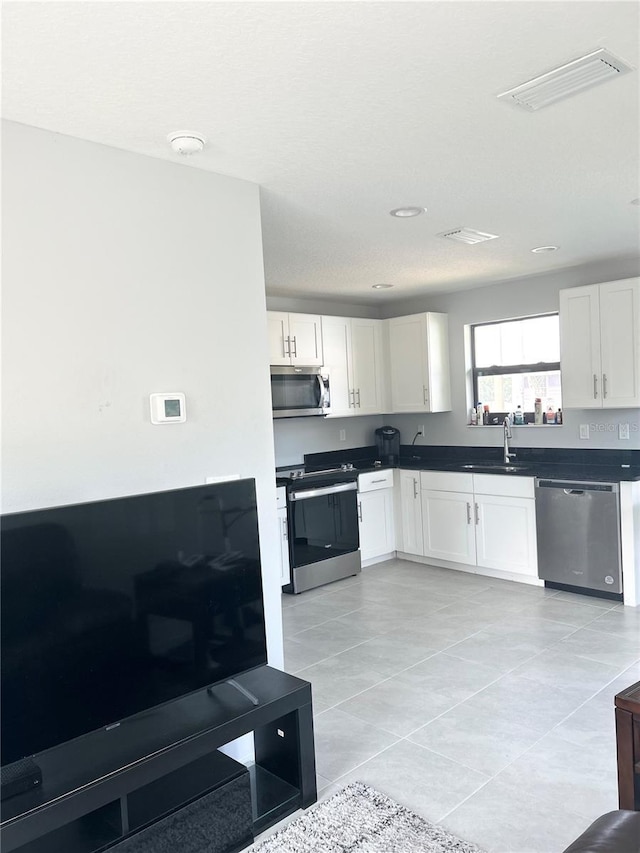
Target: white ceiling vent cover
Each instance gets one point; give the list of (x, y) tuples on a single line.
[(467, 235), (567, 80)]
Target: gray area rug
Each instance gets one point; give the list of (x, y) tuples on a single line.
[(359, 819)]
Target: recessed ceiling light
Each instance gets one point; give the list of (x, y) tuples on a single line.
[(186, 143), (540, 250), (406, 212), (381, 286)]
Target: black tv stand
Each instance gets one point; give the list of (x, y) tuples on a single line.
[(160, 770), (247, 693)]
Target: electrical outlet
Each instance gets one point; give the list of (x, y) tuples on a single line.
[(623, 430), (584, 430), (421, 429), (343, 435)]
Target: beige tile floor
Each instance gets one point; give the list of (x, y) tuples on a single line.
[(483, 705)]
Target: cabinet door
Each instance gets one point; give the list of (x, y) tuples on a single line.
[(448, 526), (439, 384), (408, 357), (411, 512), (285, 574), (580, 348), (620, 343), (336, 342), (375, 513), (506, 534), (368, 370), (305, 331), (278, 333)]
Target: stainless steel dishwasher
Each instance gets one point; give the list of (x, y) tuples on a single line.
[(578, 532)]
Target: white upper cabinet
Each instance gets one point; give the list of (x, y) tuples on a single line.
[(354, 360), (600, 345), (419, 363), (294, 339)]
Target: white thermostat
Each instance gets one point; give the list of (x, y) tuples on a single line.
[(168, 408)]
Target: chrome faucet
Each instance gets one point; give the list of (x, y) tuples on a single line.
[(507, 435)]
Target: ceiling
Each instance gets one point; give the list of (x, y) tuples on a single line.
[(342, 111)]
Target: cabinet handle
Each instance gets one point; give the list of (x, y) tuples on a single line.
[(285, 533), (604, 385), (295, 347), (286, 347), (378, 481), (477, 514), (468, 513), (358, 398), (595, 387), (425, 395), (360, 510), (352, 398), (415, 488)]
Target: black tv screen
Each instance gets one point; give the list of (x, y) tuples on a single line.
[(113, 607)]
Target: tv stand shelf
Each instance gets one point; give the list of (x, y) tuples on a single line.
[(101, 788)]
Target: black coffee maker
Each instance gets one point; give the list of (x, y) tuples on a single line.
[(388, 445)]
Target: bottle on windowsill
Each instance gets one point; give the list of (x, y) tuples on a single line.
[(485, 416), (559, 416), (519, 416), (537, 413)]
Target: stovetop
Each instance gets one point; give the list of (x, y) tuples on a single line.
[(298, 474)]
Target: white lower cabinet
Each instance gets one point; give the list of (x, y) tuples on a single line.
[(411, 513), (506, 534), (375, 515), (283, 536), (447, 528), (481, 520)]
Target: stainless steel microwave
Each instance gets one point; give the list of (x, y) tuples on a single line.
[(299, 392)]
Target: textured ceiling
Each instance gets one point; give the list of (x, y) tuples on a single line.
[(342, 111)]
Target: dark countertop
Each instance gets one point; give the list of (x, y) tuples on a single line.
[(549, 463)]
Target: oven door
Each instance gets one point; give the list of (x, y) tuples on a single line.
[(298, 392), (324, 543)]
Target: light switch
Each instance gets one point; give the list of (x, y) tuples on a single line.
[(584, 430), (623, 430)]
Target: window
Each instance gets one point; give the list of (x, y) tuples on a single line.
[(515, 362)]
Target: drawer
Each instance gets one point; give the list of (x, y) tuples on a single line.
[(281, 497), (373, 480), (446, 481), (504, 485)]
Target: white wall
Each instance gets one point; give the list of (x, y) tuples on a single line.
[(518, 298), (296, 436), (331, 307), (124, 275)]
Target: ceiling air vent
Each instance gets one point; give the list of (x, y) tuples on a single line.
[(467, 235), (567, 80)]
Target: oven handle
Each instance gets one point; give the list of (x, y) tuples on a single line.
[(323, 490)]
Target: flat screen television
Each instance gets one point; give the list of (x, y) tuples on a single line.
[(113, 607)]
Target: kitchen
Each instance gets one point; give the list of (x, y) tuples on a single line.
[(297, 437), (369, 106)]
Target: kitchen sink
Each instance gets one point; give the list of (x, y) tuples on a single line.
[(494, 466)]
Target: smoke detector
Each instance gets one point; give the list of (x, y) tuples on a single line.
[(567, 80), (186, 143), (467, 235)]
